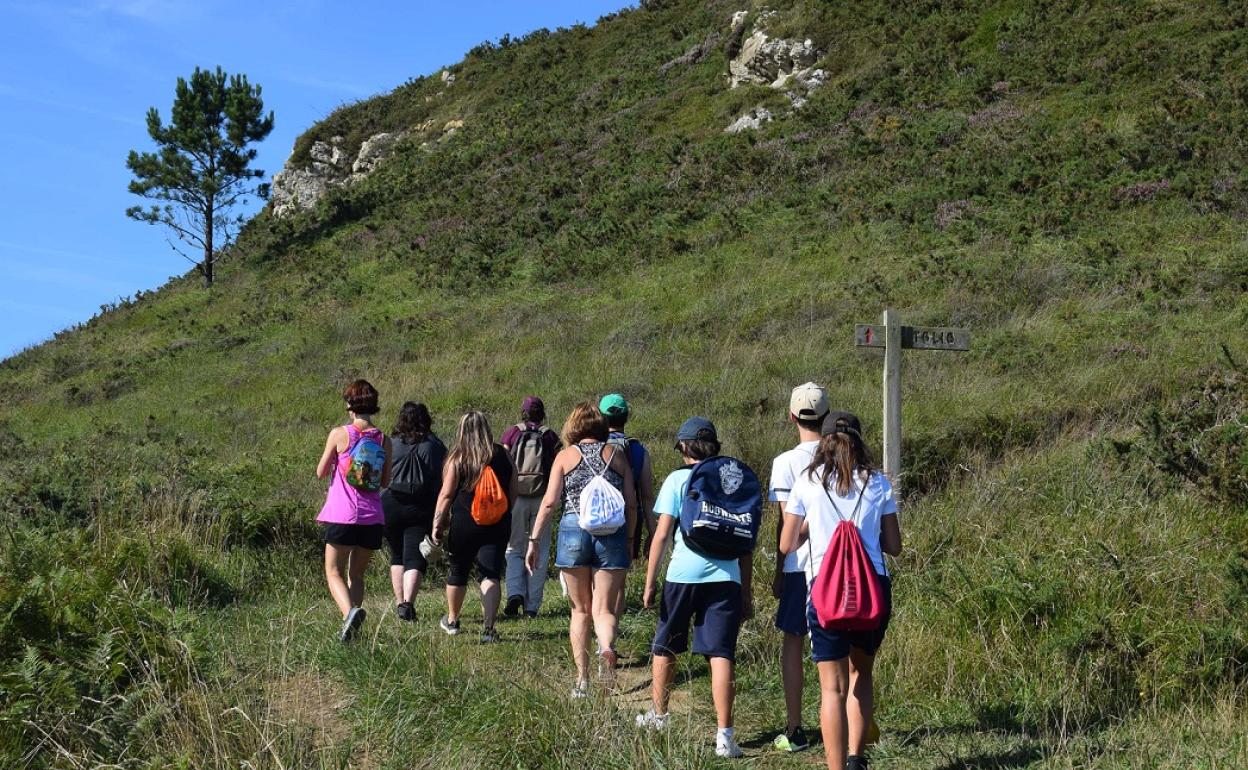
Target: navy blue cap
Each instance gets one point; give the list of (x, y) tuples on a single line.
[(697, 429)]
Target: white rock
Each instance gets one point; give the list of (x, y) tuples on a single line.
[(375, 149), (448, 77), (750, 121)]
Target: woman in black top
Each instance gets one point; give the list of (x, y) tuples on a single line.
[(415, 481), (469, 542)]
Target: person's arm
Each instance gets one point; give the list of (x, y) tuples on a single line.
[(621, 465), (442, 509), (385, 468), (330, 454), (890, 534), (646, 502), (777, 582), (794, 533), (658, 546), (554, 493)]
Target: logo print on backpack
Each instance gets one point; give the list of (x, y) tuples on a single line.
[(731, 476)]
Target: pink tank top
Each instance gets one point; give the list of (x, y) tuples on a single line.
[(345, 504)]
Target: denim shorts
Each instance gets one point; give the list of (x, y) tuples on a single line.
[(791, 612), (826, 644), (577, 548)]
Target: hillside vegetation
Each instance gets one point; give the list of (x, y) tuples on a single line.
[(1065, 179)]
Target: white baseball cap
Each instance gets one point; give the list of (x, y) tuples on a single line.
[(808, 402)]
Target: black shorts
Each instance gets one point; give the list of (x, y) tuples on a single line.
[(356, 535), (481, 547), (714, 609), (407, 525)]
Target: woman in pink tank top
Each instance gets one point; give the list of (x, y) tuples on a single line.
[(358, 457)]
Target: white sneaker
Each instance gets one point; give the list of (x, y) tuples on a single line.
[(653, 721), (726, 746), (580, 690)]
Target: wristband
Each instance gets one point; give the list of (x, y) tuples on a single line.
[(535, 540)]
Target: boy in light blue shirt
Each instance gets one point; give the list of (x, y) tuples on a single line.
[(711, 594)]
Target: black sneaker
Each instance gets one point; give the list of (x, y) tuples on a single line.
[(530, 614), (855, 762), (514, 603), (351, 625), (489, 636), (405, 611)]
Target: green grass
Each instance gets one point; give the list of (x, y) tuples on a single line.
[(1064, 180)]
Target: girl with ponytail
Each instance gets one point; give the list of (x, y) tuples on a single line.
[(840, 484)]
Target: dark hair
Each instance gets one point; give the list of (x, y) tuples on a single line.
[(534, 414), (616, 420), (361, 397), (698, 449), (836, 457), (414, 422), (815, 424), (584, 421)]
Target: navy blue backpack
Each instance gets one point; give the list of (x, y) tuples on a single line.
[(722, 508)]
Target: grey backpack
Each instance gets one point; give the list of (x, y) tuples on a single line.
[(529, 454)]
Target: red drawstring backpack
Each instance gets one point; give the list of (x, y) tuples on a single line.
[(846, 593)]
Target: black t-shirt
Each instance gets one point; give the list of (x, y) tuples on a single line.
[(462, 523)]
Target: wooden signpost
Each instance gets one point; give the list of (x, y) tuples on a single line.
[(893, 337)]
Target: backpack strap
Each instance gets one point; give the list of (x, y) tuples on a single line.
[(858, 505)]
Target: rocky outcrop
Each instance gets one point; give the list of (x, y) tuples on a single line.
[(300, 188), (780, 63)]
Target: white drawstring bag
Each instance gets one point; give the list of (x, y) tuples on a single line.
[(601, 505)]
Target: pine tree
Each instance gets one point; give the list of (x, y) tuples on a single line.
[(201, 169)]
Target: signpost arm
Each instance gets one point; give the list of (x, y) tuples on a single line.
[(892, 398)]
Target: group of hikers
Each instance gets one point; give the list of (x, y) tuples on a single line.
[(490, 506)]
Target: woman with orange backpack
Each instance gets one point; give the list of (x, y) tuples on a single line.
[(843, 511), (358, 456), (478, 486)]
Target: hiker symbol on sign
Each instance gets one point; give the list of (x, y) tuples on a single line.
[(731, 476)]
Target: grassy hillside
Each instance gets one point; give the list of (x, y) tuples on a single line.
[(1064, 179)]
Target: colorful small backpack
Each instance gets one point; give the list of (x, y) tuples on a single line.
[(366, 457)]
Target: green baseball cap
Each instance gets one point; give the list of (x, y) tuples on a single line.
[(613, 405)]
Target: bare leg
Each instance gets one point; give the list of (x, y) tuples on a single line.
[(396, 581), (455, 601), (663, 670), (723, 690), (791, 672), (861, 702), (490, 594), (621, 601), (833, 688), (581, 593), (411, 584), (360, 557), (608, 586), (337, 560)]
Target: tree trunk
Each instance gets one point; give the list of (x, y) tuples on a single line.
[(206, 268)]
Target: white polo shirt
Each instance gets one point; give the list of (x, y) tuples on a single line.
[(784, 472)]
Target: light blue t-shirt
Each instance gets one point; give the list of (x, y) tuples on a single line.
[(686, 564)]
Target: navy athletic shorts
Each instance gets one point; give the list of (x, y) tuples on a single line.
[(714, 610), (791, 612), (834, 645)]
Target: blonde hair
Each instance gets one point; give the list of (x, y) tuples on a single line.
[(474, 448), (585, 421)]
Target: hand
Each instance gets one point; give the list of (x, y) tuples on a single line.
[(647, 597), (436, 534), (777, 585), (747, 608), (530, 558)]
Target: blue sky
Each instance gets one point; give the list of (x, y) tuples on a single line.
[(77, 77)]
